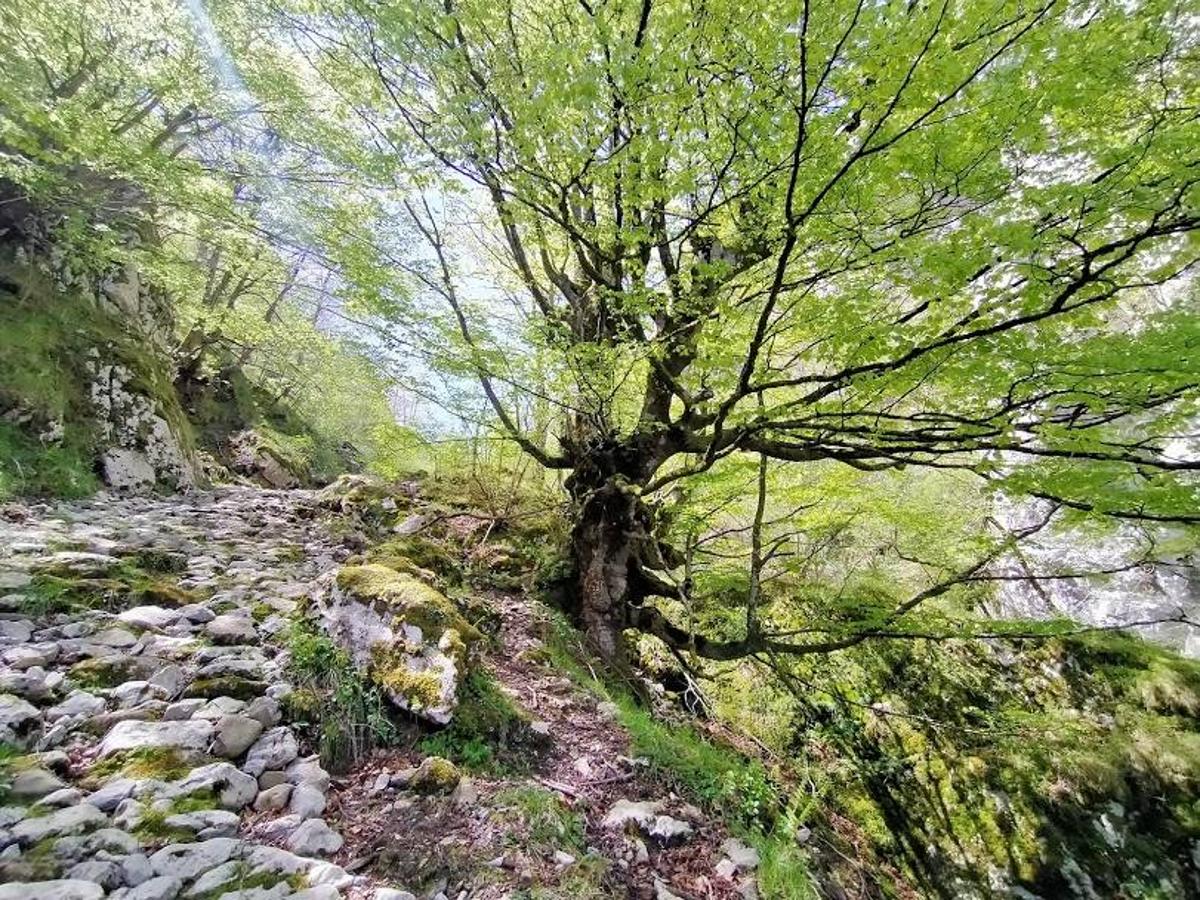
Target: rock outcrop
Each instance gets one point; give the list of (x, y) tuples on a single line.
[(405, 635)]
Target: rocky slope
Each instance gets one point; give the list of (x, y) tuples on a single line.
[(156, 747)]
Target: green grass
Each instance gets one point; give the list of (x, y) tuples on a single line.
[(584, 880), (342, 711), (29, 468), (546, 822)]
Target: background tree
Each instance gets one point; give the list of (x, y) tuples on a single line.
[(954, 236)]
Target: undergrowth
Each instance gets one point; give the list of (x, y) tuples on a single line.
[(546, 822), (729, 784), (488, 735), (342, 711)]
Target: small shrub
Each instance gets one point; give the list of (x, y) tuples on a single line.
[(345, 712)]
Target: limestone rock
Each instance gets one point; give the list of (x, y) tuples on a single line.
[(30, 784), (161, 887), (274, 750), (16, 717), (741, 857), (69, 820), (77, 703), (190, 860), (191, 736), (308, 770), (273, 799), (314, 838), (306, 802), (154, 618), (61, 889), (647, 816), (233, 735), (407, 637), (206, 823), (265, 710), (232, 629), (234, 788)]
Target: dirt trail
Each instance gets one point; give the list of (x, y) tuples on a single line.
[(585, 761)]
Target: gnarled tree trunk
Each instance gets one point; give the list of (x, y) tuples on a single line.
[(610, 542)]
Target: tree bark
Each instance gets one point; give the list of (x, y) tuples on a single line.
[(609, 527), (612, 540)]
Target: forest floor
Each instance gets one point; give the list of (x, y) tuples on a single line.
[(149, 751)]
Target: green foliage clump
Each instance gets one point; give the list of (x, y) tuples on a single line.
[(1026, 763), (30, 468), (489, 733), (546, 823), (346, 714)]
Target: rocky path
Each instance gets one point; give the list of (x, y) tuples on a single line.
[(582, 773), (139, 700), (145, 750)]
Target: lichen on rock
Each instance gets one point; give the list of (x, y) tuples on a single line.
[(405, 635)]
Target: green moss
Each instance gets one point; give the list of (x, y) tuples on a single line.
[(225, 686), (244, 879), (161, 763), (410, 601), (302, 705), (434, 775), (126, 584), (417, 554), (260, 612), (103, 672), (390, 670), (153, 560)]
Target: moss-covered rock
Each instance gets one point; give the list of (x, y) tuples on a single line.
[(225, 686), (435, 775), (104, 671), (405, 635)]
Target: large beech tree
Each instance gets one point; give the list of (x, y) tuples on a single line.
[(880, 234)]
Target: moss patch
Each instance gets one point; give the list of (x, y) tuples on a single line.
[(434, 775), (125, 585), (225, 686), (161, 763), (103, 672), (407, 599)]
